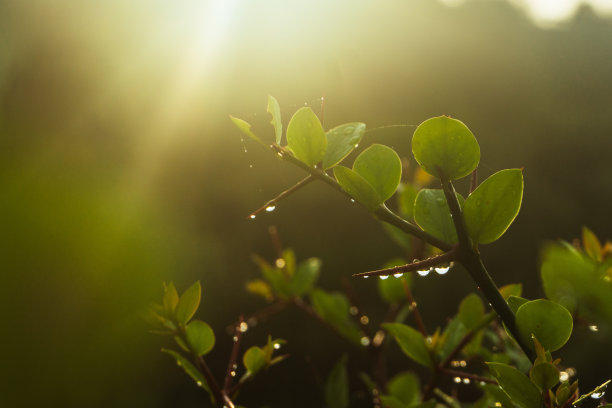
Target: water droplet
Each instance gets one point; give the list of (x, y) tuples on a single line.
[(563, 376), (398, 275), (466, 380), (252, 216), (280, 263), (243, 327), (353, 310), (463, 363), (429, 340), (366, 277), (457, 380), (233, 373), (250, 166), (365, 341), (498, 404), (424, 272), (593, 328), (277, 346), (379, 337), (235, 338), (598, 395), (199, 383), (441, 270), (364, 320), (413, 306), (270, 208), (234, 366), (383, 277), (352, 200)]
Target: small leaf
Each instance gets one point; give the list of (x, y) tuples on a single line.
[(515, 302), (200, 337), (254, 360), (357, 187), (170, 299), (591, 244), (260, 288), (405, 387), (305, 136), (431, 213), (410, 341), (337, 385), (445, 148), (245, 127), (342, 140), (188, 303), (406, 197), (548, 321), (189, 368), (392, 289), (305, 276), (274, 110), (391, 402), (512, 289), (334, 308), (492, 207), (516, 384), (381, 167), (471, 311), (544, 375)]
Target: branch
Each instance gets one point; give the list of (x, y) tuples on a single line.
[(272, 203), (212, 384), (414, 308), (411, 267), (231, 365)]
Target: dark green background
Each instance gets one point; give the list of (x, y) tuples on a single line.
[(120, 170)]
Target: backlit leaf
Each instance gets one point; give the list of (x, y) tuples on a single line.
[(342, 140), (189, 368), (357, 187), (544, 375), (431, 213), (274, 110), (245, 127), (306, 137), (492, 207), (548, 321), (200, 337), (410, 341), (254, 359), (305, 276), (381, 167), (591, 244), (188, 303), (445, 148), (517, 385)]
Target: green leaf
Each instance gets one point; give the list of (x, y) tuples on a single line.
[(389, 401), (305, 276), (170, 298), (337, 385), (306, 137), (512, 289), (471, 311), (515, 302), (492, 207), (392, 289), (381, 167), (516, 384), (245, 127), (200, 337), (445, 148), (410, 341), (591, 244), (431, 213), (188, 303), (405, 387), (274, 110), (254, 359), (342, 140), (452, 335), (498, 395), (548, 321), (189, 368), (544, 375), (334, 308), (406, 197), (275, 277), (357, 187)]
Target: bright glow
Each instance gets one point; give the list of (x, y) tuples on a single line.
[(550, 12)]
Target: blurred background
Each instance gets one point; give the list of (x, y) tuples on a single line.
[(120, 170)]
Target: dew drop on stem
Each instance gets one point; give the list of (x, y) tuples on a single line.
[(424, 272), (593, 328), (243, 327), (383, 277), (270, 208), (398, 275), (457, 380)]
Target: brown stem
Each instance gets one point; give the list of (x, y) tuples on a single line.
[(415, 310), (210, 380), (474, 180), (282, 195), (233, 356), (411, 267)]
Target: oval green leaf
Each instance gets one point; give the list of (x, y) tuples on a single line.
[(381, 167), (406, 388), (445, 148), (306, 137), (492, 207), (337, 385), (200, 337), (431, 213), (189, 368), (342, 140), (305, 276), (544, 375), (471, 311), (245, 127), (357, 187), (517, 385), (410, 341), (254, 360), (274, 111), (188, 303), (548, 321)]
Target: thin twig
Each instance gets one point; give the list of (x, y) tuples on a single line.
[(231, 366), (415, 310), (272, 203), (411, 267), (212, 383)]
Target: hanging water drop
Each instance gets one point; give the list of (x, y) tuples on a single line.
[(457, 380), (398, 275), (593, 328), (598, 395), (199, 383), (243, 327), (366, 277), (563, 376), (235, 338), (364, 320), (252, 216), (277, 346), (424, 272), (352, 200), (270, 208), (383, 277), (365, 341), (280, 263), (441, 270), (233, 373), (353, 310), (466, 380)]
